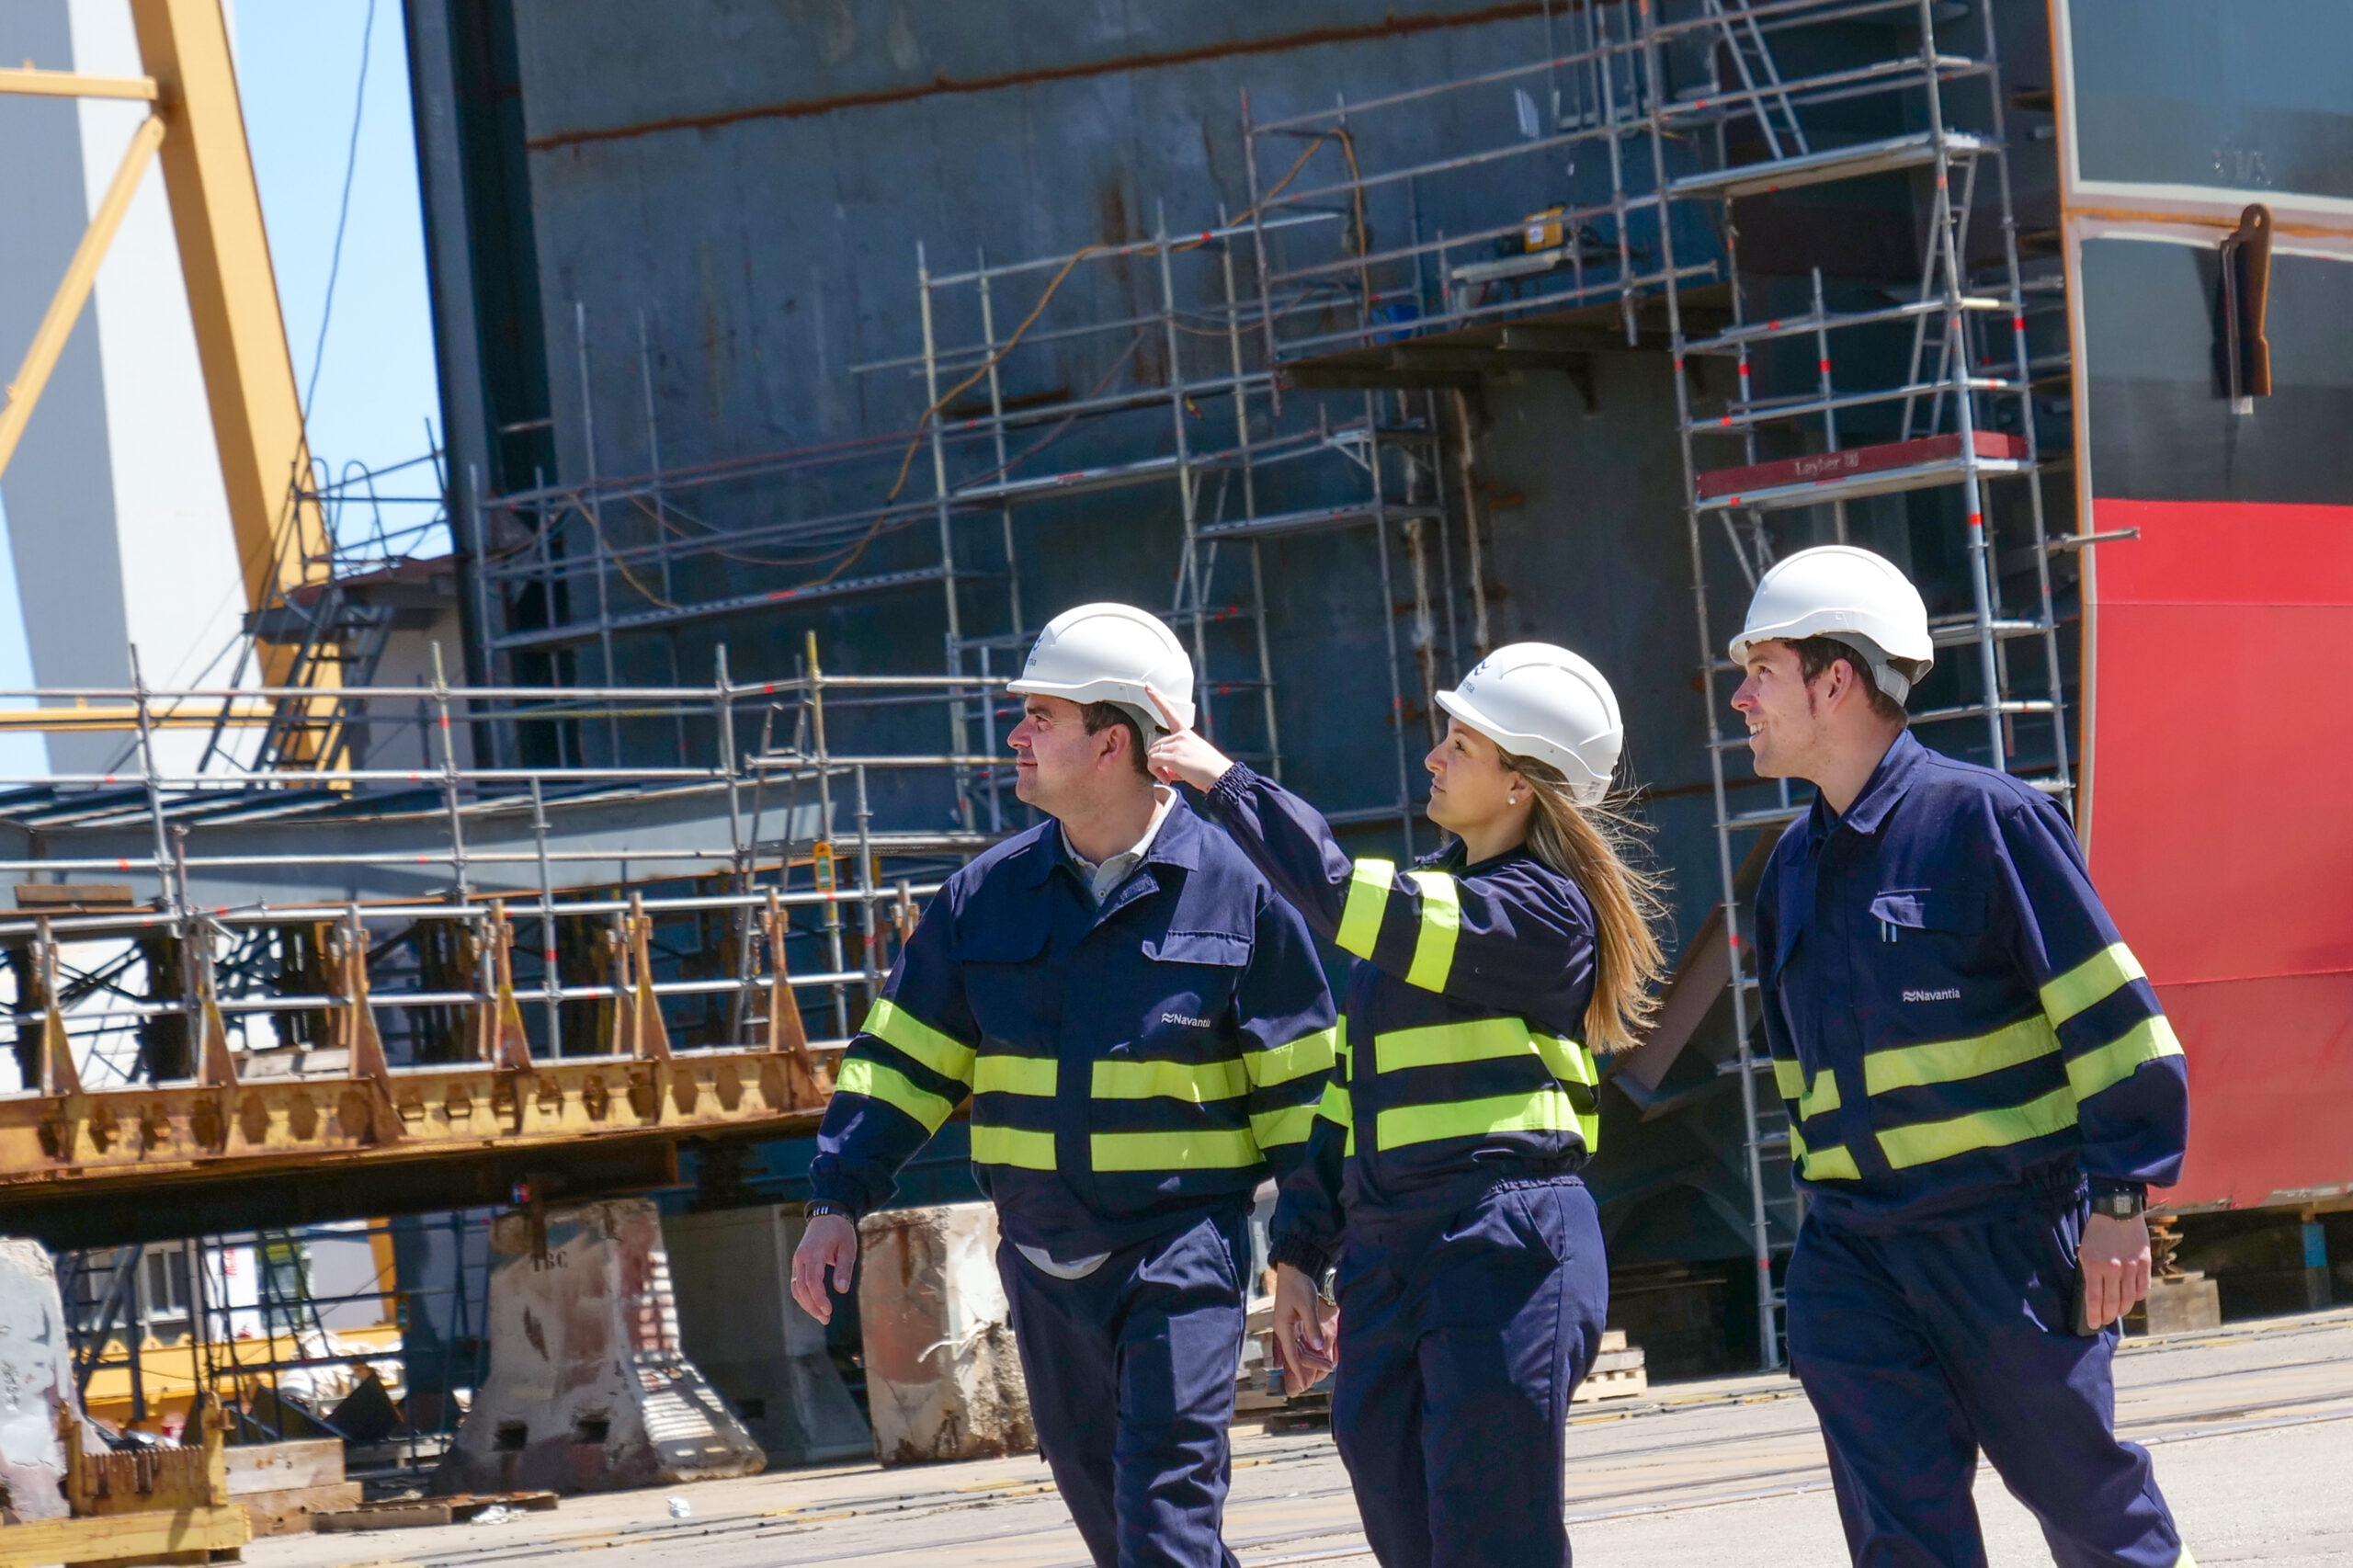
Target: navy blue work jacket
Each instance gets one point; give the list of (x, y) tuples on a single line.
[(1461, 1061), (1130, 1066), (1955, 1025)]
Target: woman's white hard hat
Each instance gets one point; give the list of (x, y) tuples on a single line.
[(1109, 653), (1536, 700), (1843, 592)]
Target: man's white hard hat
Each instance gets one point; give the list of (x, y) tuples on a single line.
[(1849, 594), (1109, 653), (1536, 700)]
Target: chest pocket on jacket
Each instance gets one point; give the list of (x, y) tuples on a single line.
[(1014, 997), (1193, 976), (1927, 941)]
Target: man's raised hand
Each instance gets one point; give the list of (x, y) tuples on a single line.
[(1180, 753)]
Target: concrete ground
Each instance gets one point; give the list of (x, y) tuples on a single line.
[(2252, 1427)]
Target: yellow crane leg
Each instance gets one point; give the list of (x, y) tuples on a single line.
[(65, 305)]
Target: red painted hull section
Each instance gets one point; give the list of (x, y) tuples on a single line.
[(2221, 823)]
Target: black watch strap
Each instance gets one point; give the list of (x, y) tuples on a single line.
[(811, 1210), (2121, 1203)]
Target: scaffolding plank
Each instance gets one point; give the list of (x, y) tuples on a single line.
[(738, 604), (1831, 163), (1311, 521), (1857, 471)]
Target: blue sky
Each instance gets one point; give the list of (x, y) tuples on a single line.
[(297, 66)]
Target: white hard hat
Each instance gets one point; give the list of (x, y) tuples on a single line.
[(1107, 652), (1843, 592), (1536, 700)]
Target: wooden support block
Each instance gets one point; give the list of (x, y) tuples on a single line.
[(291, 1510), (284, 1467), (155, 1536)]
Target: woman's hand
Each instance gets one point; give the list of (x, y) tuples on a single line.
[(1306, 1330), (1182, 753)]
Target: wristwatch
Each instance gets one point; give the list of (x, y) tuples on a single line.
[(811, 1210), (2121, 1203)]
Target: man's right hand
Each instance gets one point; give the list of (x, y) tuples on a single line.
[(1306, 1330), (831, 1242)]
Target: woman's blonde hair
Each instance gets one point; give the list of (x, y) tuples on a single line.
[(1592, 845)]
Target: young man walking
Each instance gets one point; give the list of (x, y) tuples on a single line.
[(1145, 1030), (1981, 1090)]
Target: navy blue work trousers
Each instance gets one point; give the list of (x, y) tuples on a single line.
[(1461, 1336), (1921, 1347), (1131, 1373)]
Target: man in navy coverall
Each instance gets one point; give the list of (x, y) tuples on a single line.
[(1981, 1088), (1144, 1031)]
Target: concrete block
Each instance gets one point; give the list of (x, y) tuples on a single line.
[(589, 1389), (2187, 1305), (943, 1377), (732, 1272), (36, 1382)]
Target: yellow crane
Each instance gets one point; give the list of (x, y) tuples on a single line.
[(196, 128)]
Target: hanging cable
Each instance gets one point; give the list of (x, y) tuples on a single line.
[(343, 210)]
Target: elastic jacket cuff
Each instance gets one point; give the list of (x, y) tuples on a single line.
[(852, 1209), (1298, 1251), (1231, 786)]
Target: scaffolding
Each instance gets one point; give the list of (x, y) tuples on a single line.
[(1819, 427), (1182, 410), (1131, 369)]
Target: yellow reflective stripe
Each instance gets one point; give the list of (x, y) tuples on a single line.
[(1293, 1059), (944, 1055), (1484, 1040), (894, 1088), (2090, 983), (1013, 1146), (1369, 883), (1548, 1110), (1196, 1151), (1833, 1164), (1291, 1124), (1197, 1082), (999, 1073), (1928, 1140), (1947, 1060), (1788, 1077), (2151, 1040), (1441, 923), (1442, 1045), (1568, 1059), (1337, 1107)]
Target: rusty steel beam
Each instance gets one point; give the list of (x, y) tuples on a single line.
[(146, 1143)]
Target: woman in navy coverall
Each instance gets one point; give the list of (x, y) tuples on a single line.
[(1442, 1172)]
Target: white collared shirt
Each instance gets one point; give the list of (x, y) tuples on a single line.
[(1105, 880)]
